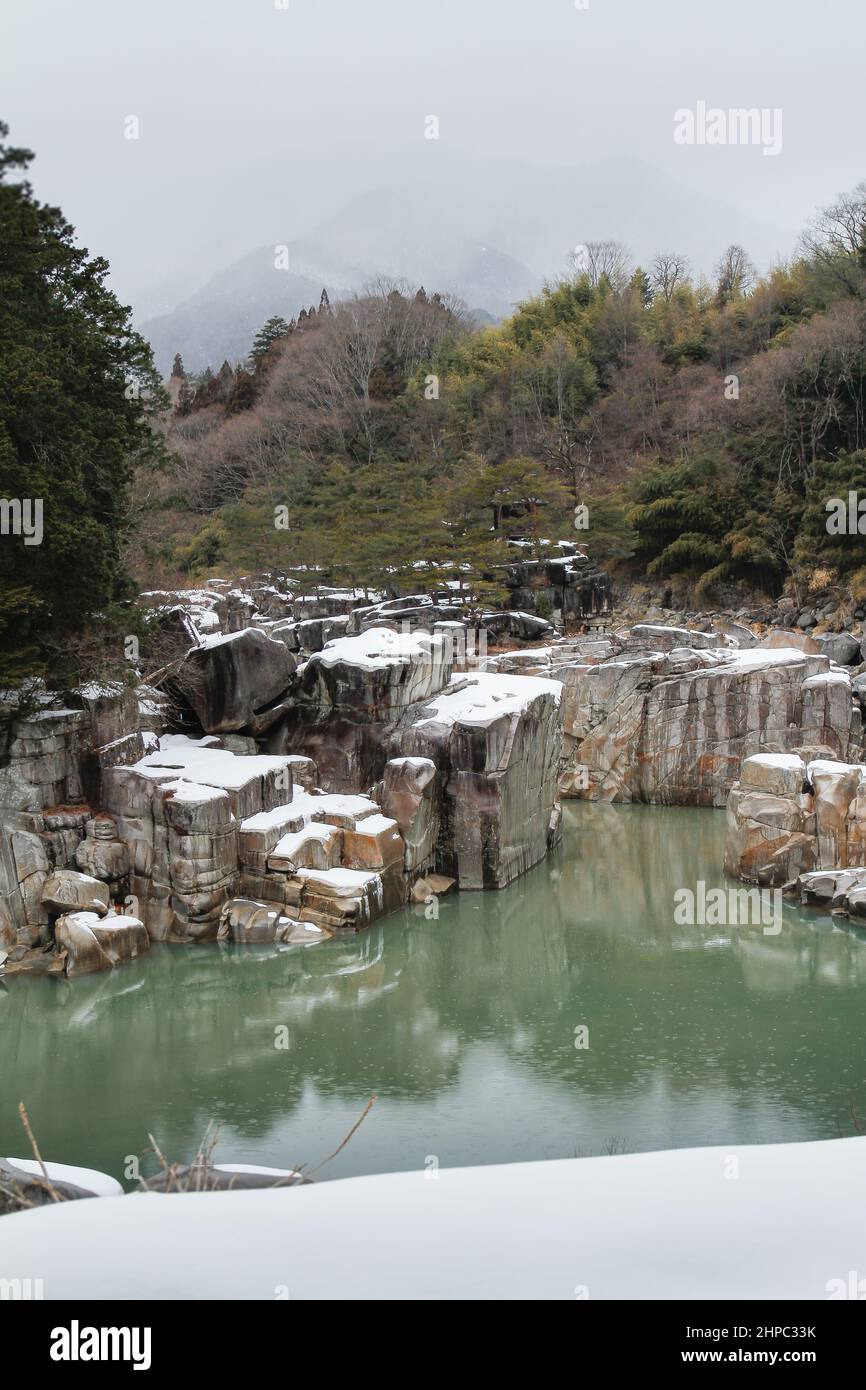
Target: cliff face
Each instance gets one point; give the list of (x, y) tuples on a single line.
[(673, 728), (790, 815), (427, 778)]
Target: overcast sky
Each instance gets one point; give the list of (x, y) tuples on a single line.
[(258, 120)]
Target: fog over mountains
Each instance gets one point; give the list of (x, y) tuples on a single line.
[(490, 233)]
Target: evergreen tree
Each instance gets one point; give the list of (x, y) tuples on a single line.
[(177, 366), (185, 398), (76, 388), (276, 327)]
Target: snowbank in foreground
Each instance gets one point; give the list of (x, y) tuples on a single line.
[(646, 1226)]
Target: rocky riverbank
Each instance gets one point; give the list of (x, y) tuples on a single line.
[(800, 824), (306, 765)]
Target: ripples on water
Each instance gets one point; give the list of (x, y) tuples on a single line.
[(464, 1027)]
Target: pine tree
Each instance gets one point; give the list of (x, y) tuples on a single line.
[(77, 386), (177, 366), (185, 398), (276, 327)]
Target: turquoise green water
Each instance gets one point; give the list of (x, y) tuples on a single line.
[(464, 1027)]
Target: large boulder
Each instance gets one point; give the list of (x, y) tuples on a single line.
[(496, 741), (787, 819), (351, 695), (68, 891), (23, 1184), (101, 853), (840, 647), (526, 627), (95, 943), (238, 681)]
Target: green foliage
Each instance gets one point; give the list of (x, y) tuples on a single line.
[(609, 389), (77, 390), (610, 534), (276, 327), (844, 551)]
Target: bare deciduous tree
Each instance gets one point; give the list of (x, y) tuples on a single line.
[(668, 270), (836, 240), (604, 260), (735, 274)]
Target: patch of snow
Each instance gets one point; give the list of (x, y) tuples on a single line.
[(379, 647), (727, 1241), (485, 696), (100, 1184), (349, 881), (826, 678)]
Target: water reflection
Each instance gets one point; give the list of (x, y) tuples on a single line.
[(464, 1027)]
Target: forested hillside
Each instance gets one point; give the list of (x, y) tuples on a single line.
[(691, 433), (702, 426)]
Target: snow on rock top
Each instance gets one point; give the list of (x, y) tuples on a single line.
[(348, 881), (379, 647), (220, 639), (793, 761), (207, 765), (486, 696), (825, 678)]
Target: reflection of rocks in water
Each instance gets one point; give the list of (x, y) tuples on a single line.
[(636, 857), (416, 1009)]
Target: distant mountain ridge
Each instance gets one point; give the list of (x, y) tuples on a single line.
[(375, 235), (490, 234)]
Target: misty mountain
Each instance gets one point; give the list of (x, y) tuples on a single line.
[(491, 233), (377, 235)]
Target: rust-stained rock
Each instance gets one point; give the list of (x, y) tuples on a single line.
[(776, 836), (375, 843), (674, 729)]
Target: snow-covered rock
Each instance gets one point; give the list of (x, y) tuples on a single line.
[(675, 727), (788, 818), (96, 943)]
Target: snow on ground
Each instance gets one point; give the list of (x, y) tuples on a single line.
[(669, 1225)]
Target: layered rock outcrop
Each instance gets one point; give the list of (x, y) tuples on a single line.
[(673, 727), (568, 586), (800, 823), (195, 842), (794, 814)]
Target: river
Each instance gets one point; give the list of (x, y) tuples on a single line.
[(467, 1028)]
